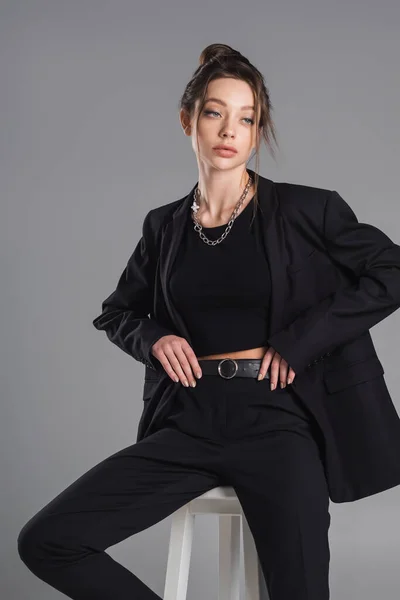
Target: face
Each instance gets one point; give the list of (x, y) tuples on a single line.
[(224, 120)]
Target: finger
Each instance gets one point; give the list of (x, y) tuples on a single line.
[(186, 357), (172, 354), (291, 375), (264, 365), (274, 370), (167, 366), (283, 369), (186, 376), (192, 359)]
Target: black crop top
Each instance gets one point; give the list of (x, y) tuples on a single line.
[(222, 291)]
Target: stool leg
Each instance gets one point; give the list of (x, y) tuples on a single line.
[(179, 553), (229, 557), (252, 568)]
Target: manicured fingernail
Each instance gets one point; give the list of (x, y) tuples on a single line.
[(198, 374), (272, 386), (289, 380), (281, 384), (260, 376)]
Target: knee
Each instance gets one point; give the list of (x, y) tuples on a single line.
[(31, 542)]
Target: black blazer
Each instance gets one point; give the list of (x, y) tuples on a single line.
[(333, 278)]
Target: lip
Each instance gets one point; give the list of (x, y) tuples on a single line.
[(227, 148)]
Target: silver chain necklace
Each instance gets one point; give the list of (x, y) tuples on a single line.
[(197, 225)]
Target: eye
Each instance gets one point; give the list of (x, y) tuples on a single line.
[(210, 112)]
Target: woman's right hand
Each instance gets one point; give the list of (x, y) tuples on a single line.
[(177, 358)]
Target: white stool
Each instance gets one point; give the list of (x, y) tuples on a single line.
[(223, 501)]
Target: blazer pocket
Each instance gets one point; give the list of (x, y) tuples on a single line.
[(358, 372), (303, 262), (153, 375), (152, 378)]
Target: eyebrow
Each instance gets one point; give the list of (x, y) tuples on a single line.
[(218, 101)]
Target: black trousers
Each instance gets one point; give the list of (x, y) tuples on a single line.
[(222, 432)]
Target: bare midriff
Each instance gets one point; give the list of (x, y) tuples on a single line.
[(250, 353)]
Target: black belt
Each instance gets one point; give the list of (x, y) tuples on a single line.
[(231, 367)]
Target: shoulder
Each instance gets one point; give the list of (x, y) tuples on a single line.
[(164, 211), (303, 204), (298, 195), (161, 213), (157, 218)]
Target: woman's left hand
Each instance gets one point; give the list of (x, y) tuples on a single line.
[(279, 369)]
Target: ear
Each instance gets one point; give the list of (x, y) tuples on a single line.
[(185, 122)]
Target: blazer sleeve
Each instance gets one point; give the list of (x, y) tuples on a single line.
[(125, 313), (374, 259)]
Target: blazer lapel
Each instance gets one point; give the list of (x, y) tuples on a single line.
[(171, 240), (270, 237), (272, 242)]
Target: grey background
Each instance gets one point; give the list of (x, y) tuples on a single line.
[(90, 141)]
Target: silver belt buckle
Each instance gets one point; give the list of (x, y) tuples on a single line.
[(235, 364)]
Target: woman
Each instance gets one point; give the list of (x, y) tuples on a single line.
[(224, 410)]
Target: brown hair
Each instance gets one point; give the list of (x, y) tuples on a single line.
[(220, 60)]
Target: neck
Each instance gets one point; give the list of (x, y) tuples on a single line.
[(221, 190)]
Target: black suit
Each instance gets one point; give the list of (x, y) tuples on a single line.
[(333, 278)]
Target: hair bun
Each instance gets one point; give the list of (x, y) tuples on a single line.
[(215, 52)]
